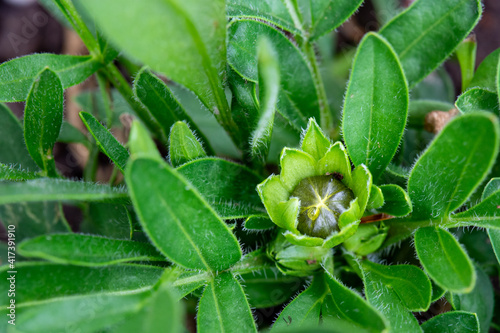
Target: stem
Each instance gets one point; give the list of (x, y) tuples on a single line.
[(89, 173), (119, 82), (114, 174), (70, 12), (324, 107)]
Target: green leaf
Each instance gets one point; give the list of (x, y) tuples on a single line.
[(32, 219), (494, 235), (485, 76), (269, 86), (444, 260), (227, 186), (43, 119), (256, 222), (463, 153), (184, 145), (224, 307), (42, 281), (140, 142), (376, 199), (193, 37), (387, 301), (17, 75), (304, 310), (451, 322), (268, 287), (396, 201), (486, 214), (161, 311), (375, 106), (87, 250), (479, 301), (298, 98), (466, 55), (345, 304), (12, 141), (106, 141), (409, 282), (313, 141), (478, 99), (490, 188), (414, 33), (182, 226), (157, 97), (45, 189), (323, 16), (11, 172), (59, 315)]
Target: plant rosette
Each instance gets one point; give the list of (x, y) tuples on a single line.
[(316, 198)]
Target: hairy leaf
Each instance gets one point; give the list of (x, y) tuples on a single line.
[(414, 33), (375, 106), (17, 75), (478, 99), (451, 322), (444, 260), (183, 145), (224, 307), (87, 250), (179, 225), (106, 141)]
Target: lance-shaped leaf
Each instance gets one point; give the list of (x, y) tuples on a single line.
[(12, 141), (413, 33), (256, 222), (17, 75), (44, 281), (323, 16), (466, 55), (224, 307), (304, 310), (106, 141), (46, 189), (12, 172), (479, 301), (43, 119), (485, 74), (478, 99), (189, 48), (182, 226), (269, 86), (409, 282), (59, 315), (345, 304), (227, 186), (298, 98), (183, 145), (450, 322), (495, 241), (463, 154), (375, 106), (157, 97), (387, 301), (140, 142), (486, 214), (396, 201), (87, 250), (444, 260)]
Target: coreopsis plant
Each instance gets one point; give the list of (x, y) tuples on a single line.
[(381, 214)]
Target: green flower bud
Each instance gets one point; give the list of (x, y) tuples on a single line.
[(295, 259), (316, 199), (367, 239)]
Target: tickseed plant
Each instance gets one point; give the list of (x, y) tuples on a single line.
[(263, 175)]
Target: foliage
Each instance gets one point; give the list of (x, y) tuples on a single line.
[(361, 226)]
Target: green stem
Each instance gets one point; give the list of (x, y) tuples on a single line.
[(76, 21), (112, 178), (90, 171), (119, 82), (324, 107)]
